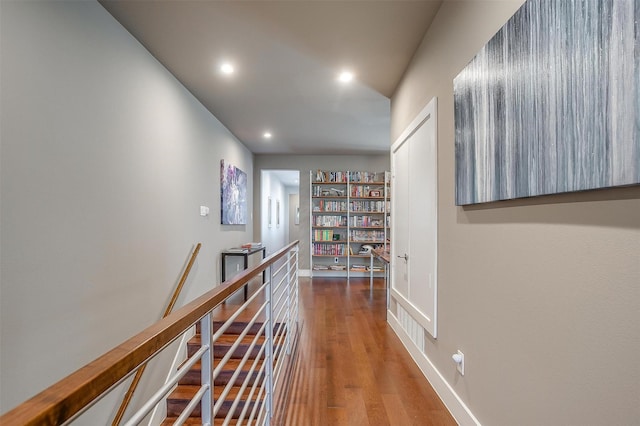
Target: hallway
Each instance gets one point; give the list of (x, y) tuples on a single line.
[(352, 369)]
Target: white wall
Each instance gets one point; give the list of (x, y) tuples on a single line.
[(274, 237), (540, 294), (294, 202), (106, 159)]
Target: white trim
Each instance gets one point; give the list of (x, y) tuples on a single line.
[(460, 412), (431, 108), (415, 313), (429, 112), (304, 272)]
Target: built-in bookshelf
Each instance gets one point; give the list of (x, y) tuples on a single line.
[(350, 214)]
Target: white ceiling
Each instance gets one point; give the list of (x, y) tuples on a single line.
[(288, 178), (287, 55)]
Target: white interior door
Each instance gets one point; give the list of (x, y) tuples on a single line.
[(414, 219), (400, 219)]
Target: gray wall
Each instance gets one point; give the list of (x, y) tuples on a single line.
[(304, 164), (541, 295), (106, 159)]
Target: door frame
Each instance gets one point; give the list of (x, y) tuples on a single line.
[(427, 321)]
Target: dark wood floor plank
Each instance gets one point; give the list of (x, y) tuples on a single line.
[(353, 370)]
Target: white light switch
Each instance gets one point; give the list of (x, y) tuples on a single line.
[(204, 210)]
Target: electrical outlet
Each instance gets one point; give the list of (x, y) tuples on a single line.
[(458, 358), (237, 267)]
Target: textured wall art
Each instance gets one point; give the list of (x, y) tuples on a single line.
[(233, 197), (550, 103)]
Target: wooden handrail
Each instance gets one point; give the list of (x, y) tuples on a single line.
[(136, 379), (71, 395)]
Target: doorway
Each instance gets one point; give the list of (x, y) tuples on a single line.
[(279, 207)]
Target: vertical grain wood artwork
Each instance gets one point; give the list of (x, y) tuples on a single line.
[(550, 103)]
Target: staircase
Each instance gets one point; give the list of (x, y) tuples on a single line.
[(190, 383)]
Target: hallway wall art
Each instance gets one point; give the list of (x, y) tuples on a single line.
[(233, 197), (551, 103)]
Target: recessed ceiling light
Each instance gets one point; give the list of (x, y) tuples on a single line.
[(267, 135), (227, 68), (345, 76)]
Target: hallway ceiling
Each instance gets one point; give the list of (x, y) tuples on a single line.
[(287, 56)]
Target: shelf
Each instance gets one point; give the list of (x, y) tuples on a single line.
[(359, 202), (329, 183), (329, 211)]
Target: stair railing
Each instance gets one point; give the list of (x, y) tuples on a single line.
[(66, 400), (172, 302)]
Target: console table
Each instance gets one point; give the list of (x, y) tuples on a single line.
[(244, 253)]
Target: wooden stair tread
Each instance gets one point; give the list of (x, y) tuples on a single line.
[(193, 376), (238, 327), (189, 385), (231, 364), (225, 343), (231, 339), (228, 339), (192, 421), (187, 392)]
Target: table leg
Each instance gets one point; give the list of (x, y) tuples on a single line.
[(264, 273), (223, 272), (246, 266), (371, 271)]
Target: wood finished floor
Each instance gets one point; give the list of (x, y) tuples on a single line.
[(352, 369)]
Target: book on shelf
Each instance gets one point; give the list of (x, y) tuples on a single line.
[(326, 176), (237, 250), (251, 245)]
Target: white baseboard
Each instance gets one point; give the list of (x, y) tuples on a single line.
[(449, 397), (304, 272)]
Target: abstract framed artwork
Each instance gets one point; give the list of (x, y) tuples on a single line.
[(551, 103), (233, 195)]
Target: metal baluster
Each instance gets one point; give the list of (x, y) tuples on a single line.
[(269, 347), (288, 327), (297, 287), (207, 371)]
